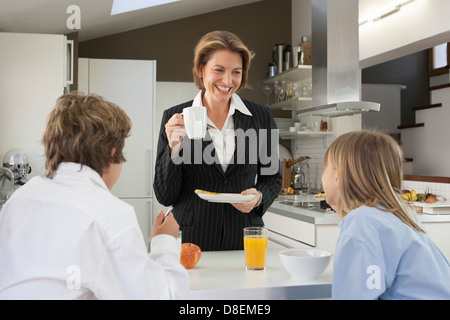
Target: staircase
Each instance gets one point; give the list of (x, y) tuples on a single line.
[(427, 141), (416, 125)]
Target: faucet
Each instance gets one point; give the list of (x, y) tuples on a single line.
[(302, 178), (306, 186)]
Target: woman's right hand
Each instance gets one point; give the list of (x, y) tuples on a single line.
[(175, 130)]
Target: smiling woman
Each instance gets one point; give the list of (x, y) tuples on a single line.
[(220, 70)]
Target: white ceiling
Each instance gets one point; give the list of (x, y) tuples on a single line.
[(50, 16)]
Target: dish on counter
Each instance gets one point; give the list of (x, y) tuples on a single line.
[(319, 195), (307, 263)]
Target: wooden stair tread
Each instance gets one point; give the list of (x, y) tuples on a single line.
[(408, 126), (442, 86), (430, 106)]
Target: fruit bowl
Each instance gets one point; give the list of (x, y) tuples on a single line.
[(305, 264)]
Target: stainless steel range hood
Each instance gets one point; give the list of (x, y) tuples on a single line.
[(336, 75)]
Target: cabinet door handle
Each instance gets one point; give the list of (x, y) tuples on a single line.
[(69, 80), (148, 171)]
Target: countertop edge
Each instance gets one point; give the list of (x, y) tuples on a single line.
[(320, 218), (303, 214)]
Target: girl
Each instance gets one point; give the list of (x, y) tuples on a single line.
[(382, 251)]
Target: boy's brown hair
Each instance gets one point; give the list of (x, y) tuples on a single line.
[(84, 129)]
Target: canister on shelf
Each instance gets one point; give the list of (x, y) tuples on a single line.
[(295, 50)]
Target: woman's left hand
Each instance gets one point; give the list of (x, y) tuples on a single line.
[(248, 206)]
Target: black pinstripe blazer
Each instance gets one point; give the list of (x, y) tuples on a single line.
[(218, 226)]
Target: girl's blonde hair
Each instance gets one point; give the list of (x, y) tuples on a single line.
[(220, 40), (370, 173), (84, 129)]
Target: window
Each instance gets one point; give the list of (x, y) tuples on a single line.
[(439, 59)]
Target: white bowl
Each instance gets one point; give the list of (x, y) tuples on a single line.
[(305, 264)]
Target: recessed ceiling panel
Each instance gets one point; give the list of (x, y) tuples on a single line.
[(122, 6)]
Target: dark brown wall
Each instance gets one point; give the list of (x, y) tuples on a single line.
[(260, 25), (411, 71)]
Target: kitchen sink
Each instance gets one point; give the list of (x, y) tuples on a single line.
[(305, 201)]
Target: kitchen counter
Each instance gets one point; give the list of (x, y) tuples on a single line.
[(304, 214), (318, 228), (320, 217), (221, 275)]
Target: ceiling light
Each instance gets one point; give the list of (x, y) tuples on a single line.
[(386, 11), (121, 6)]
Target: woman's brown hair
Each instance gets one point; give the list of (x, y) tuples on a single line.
[(370, 173), (220, 40), (84, 129)]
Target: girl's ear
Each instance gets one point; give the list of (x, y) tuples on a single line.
[(113, 151)]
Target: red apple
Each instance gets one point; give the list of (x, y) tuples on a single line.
[(190, 255)]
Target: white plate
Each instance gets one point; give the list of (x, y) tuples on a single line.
[(430, 204), (226, 197)]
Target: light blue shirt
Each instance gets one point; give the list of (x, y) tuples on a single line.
[(378, 256)]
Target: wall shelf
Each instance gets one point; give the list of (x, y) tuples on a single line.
[(300, 73), (303, 105), (293, 104), (305, 134)]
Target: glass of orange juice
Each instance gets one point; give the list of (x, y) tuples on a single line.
[(255, 247)]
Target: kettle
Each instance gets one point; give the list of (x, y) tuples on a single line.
[(13, 174), (16, 160)]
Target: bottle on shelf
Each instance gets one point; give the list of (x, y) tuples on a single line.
[(324, 124)]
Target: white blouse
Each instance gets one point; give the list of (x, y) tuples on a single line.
[(223, 140), (70, 238)]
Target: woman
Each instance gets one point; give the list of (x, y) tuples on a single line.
[(382, 251), (65, 236), (244, 145)]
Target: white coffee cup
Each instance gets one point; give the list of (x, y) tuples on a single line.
[(195, 122)]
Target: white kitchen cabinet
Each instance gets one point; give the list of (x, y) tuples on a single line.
[(131, 85), (143, 209), (32, 77), (168, 94), (289, 232)]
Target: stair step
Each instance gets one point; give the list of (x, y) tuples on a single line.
[(442, 86), (430, 106), (408, 126)]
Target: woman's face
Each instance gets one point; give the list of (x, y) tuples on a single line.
[(222, 75), (330, 183)]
